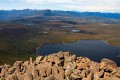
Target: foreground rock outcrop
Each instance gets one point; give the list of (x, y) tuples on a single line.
[(60, 66)]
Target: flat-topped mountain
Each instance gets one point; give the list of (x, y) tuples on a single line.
[(60, 66)]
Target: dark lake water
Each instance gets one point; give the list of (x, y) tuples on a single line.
[(93, 49)]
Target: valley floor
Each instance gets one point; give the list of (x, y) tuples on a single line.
[(19, 42)]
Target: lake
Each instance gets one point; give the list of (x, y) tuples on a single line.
[(93, 49)]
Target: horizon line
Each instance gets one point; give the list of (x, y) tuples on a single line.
[(60, 10)]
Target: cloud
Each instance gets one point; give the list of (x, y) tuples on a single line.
[(49, 1), (97, 5), (12, 0), (79, 5)]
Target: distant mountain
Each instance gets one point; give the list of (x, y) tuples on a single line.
[(9, 15)]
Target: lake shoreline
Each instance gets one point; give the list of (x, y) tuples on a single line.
[(100, 47)]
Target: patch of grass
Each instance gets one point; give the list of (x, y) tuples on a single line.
[(114, 41), (119, 55)]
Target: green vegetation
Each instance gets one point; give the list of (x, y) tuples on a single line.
[(119, 56), (115, 41), (19, 42)]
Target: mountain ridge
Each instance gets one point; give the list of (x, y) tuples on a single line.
[(8, 15)]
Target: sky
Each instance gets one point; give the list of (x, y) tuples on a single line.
[(67, 5)]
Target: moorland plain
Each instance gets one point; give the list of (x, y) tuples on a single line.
[(20, 38)]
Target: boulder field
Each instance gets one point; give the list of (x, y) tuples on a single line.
[(60, 66)]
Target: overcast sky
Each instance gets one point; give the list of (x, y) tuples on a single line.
[(72, 5)]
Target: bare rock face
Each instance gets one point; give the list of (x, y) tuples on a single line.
[(61, 66), (28, 76), (18, 63), (107, 64), (38, 59)]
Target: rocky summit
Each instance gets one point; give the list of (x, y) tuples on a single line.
[(60, 66)]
